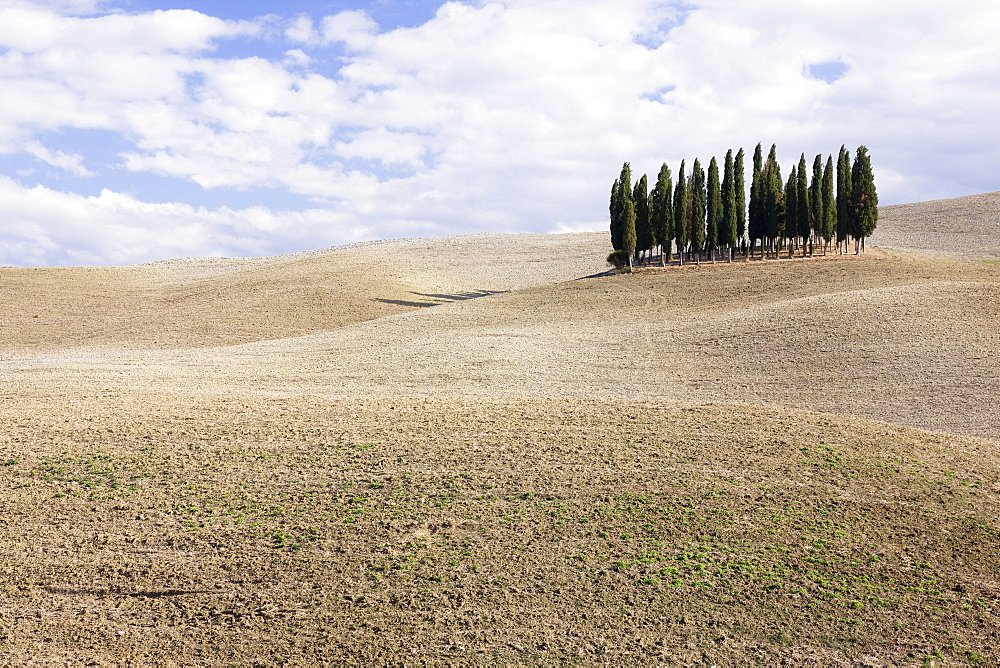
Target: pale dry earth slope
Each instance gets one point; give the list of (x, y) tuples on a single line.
[(961, 227), (888, 337), (902, 337), (198, 302)]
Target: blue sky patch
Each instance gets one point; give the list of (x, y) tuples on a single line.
[(829, 72), (389, 14), (658, 35), (659, 95)]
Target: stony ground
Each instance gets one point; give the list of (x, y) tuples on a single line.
[(480, 449)]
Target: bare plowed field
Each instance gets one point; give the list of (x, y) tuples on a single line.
[(480, 450), (963, 227)]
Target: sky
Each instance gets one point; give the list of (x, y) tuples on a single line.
[(138, 130)]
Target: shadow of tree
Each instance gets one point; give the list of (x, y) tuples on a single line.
[(403, 302), (610, 272), (461, 296), (439, 298)]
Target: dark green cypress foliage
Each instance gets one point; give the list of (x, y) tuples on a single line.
[(644, 239), (816, 198), (616, 216), (739, 183), (713, 219), (757, 220), (803, 205), (727, 230), (792, 207), (705, 215), (628, 233), (864, 199), (698, 205), (681, 206), (773, 199), (843, 197), (662, 205), (621, 192), (829, 205)]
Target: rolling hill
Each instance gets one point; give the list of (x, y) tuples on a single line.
[(485, 448)]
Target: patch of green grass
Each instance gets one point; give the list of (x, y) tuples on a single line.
[(97, 475)]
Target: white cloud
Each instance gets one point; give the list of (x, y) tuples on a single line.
[(71, 163), (354, 28), (47, 227), (302, 31), (297, 58), (29, 28), (71, 7), (388, 148), (506, 116)]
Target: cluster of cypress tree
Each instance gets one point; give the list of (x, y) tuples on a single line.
[(707, 215)]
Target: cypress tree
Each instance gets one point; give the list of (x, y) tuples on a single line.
[(644, 239), (714, 211), (741, 199), (803, 205), (681, 213), (843, 198), (757, 223), (864, 199), (628, 231), (662, 206), (621, 192), (816, 198), (792, 206), (829, 205), (616, 216), (698, 206), (727, 230), (773, 199)]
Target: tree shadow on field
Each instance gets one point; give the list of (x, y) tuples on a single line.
[(609, 272), (436, 299)]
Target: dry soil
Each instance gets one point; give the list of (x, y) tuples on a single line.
[(487, 448)]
